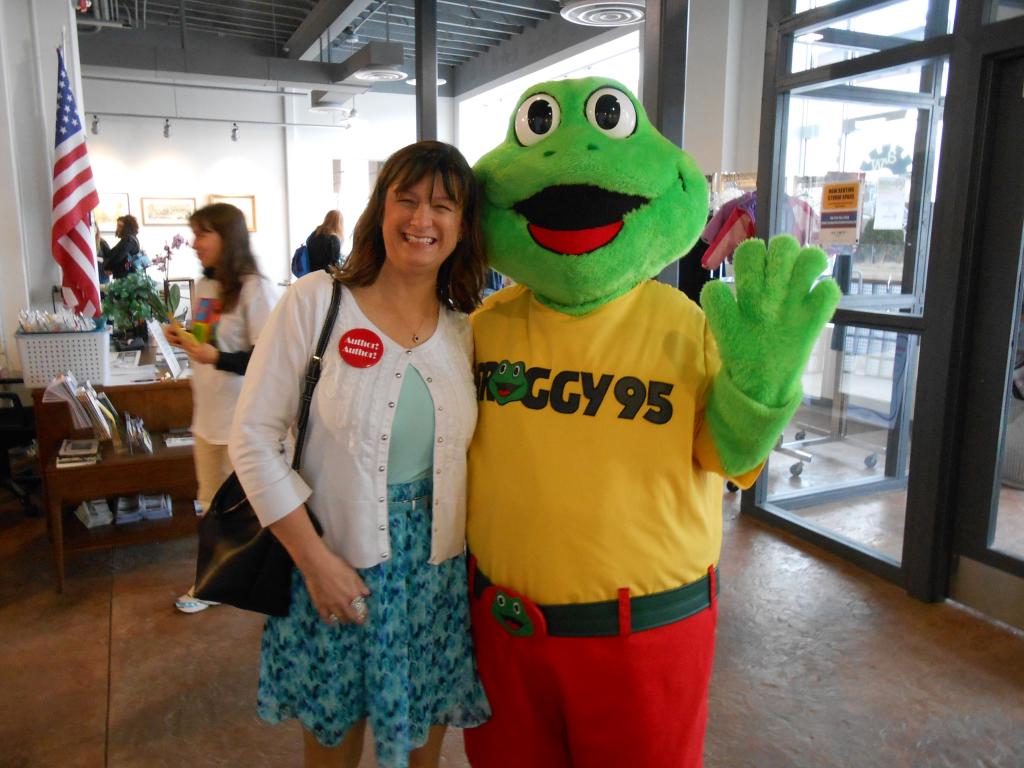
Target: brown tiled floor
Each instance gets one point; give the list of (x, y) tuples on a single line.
[(818, 664)]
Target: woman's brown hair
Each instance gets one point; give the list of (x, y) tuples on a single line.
[(236, 260), (332, 225), (129, 225), (460, 280)]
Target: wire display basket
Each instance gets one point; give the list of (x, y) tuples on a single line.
[(85, 353)]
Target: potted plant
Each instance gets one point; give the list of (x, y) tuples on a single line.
[(127, 304)]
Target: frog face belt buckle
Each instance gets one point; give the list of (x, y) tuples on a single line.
[(515, 614)]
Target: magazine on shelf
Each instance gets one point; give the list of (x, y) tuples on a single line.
[(94, 513), (71, 447), (131, 509), (138, 436), (87, 397), (65, 462), (179, 437), (63, 388)]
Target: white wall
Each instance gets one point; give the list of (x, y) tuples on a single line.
[(289, 170), (725, 55)]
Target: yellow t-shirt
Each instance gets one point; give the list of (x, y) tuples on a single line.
[(595, 473)]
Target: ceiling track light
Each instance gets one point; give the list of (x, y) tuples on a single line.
[(167, 128), (95, 128), (234, 131)]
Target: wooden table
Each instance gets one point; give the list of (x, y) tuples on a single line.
[(162, 406)]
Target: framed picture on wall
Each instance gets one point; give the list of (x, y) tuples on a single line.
[(245, 203), (167, 211), (113, 205)]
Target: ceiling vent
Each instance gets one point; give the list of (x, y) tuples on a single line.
[(603, 13), (375, 62)]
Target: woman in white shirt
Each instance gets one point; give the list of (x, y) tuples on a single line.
[(378, 629), (232, 304)]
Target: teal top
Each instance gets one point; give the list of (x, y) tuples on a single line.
[(411, 454)]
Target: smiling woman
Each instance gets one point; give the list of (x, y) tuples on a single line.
[(378, 629)]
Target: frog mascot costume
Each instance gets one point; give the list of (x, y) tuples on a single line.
[(610, 408)]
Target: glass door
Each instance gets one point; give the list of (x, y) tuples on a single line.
[(859, 105), (988, 567)]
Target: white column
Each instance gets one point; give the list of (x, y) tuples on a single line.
[(30, 32), (725, 66)]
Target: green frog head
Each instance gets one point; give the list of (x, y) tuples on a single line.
[(508, 382), (511, 614), (585, 199)]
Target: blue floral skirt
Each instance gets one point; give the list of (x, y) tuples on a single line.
[(409, 667)]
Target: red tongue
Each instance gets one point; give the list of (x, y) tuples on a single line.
[(573, 242)]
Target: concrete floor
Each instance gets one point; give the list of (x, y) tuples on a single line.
[(818, 664)]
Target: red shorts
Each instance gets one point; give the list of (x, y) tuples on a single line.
[(634, 699)]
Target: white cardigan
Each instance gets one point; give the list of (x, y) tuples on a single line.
[(344, 463)]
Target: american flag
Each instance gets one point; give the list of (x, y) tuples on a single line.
[(74, 196)]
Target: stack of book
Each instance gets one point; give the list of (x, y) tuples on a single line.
[(131, 509), (179, 436), (94, 513), (78, 453)]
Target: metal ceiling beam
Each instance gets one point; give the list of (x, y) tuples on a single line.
[(328, 17), (473, 17), (283, 14), (371, 31), (451, 18), (456, 29), (208, 24), (503, 10), (408, 36)]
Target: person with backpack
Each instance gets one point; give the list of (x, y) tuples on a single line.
[(322, 248)]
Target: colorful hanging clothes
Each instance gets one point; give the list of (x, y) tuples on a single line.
[(736, 221)]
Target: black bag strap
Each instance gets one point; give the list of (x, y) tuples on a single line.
[(313, 373)]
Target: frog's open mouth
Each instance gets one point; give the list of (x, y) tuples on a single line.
[(511, 624), (573, 219), (503, 391)]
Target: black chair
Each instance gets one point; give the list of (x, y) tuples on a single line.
[(16, 430)]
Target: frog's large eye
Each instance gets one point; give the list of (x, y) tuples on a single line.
[(502, 367), (516, 370), (612, 112), (537, 117)]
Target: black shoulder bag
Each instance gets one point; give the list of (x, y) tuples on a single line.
[(240, 562)]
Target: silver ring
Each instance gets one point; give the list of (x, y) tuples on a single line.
[(359, 606), (333, 618)]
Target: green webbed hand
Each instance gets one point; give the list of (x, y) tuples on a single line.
[(765, 334)]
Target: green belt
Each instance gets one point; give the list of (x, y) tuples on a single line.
[(602, 618)]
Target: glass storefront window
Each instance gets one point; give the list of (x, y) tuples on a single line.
[(872, 30), (859, 132), (841, 464)]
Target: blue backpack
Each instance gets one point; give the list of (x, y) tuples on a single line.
[(300, 261)]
